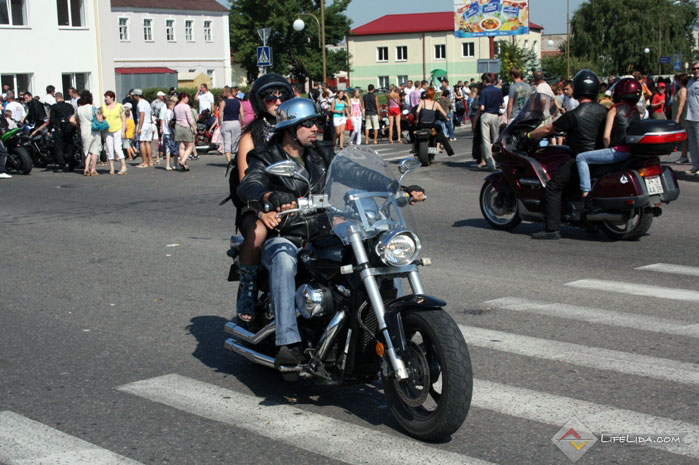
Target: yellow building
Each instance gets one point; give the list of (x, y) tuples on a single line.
[(395, 48)]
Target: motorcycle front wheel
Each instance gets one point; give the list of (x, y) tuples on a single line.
[(19, 160), (499, 208), (434, 401)]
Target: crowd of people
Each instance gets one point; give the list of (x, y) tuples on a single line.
[(163, 129)]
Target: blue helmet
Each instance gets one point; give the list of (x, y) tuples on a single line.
[(295, 111)]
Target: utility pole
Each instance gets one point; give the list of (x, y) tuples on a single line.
[(322, 35)]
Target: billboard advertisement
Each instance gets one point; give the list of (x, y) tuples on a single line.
[(488, 18)]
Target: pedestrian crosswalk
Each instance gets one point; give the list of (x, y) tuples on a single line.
[(25, 441)]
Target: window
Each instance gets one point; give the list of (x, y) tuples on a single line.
[(78, 80), (381, 53), (18, 82), (440, 52), (70, 13), (383, 81), (147, 30), (208, 37), (191, 70), (210, 74), (12, 13), (188, 32), (403, 79), (170, 30), (468, 50), (402, 53), (123, 29)]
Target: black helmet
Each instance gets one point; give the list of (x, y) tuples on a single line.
[(585, 84), (627, 90), (265, 84)]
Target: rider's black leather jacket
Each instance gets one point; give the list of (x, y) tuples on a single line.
[(297, 228)]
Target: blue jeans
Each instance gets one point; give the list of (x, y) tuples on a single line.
[(448, 126), (279, 257), (596, 157)]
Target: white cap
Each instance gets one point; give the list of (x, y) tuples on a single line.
[(607, 93), (128, 106), (160, 94)]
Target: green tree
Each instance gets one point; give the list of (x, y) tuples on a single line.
[(555, 67), (294, 53), (511, 54), (615, 33)]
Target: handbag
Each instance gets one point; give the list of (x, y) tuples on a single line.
[(98, 125)]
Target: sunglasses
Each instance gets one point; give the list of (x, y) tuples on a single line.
[(309, 123), (694, 69), (271, 98)]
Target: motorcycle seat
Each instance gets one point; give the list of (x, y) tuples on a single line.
[(597, 171)]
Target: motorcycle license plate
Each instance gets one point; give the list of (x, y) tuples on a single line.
[(654, 185), (432, 150)]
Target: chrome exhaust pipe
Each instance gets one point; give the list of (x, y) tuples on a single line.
[(244, 335), (254, 357), (605, 216)]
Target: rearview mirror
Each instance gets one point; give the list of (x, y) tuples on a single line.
[(286, 168), (408, 164)]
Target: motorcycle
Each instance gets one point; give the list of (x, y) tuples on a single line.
[(625, 196), (18, 160), (354, 323), (425, 142), (40, 147), (202, 139)]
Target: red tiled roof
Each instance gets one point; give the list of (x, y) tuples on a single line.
[(191, 5), (154, 70), (414, 22)]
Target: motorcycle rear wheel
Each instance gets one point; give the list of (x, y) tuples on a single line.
[(422, 154), (638, 224), (19, 160), (494, 207), (434, 401)]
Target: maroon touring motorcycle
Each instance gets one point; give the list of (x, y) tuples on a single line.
[(625, 196)]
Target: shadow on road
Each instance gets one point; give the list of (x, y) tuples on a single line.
[(366, 401)]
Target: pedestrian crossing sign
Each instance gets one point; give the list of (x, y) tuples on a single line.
[(264, 56)]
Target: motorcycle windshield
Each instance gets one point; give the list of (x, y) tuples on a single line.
[(365, 195), (534, 110)]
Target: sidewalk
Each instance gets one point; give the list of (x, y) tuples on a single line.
[(679, 169)]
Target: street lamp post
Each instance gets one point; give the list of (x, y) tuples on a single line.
[(299, 25)]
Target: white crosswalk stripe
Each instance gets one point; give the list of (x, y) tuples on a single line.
[(28, 442), (673, 269), (296, 427), (644, 290), (597, 316), (558, 410), (581, 355)]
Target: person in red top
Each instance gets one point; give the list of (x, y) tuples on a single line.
[(657, 104)]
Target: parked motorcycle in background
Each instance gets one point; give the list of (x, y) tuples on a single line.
[(355, 325), (18, 160), (625, 196), (202, 139)]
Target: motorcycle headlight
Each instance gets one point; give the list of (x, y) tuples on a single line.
[(398, 248)]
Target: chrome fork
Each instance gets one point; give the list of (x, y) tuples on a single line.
[(376, 301)]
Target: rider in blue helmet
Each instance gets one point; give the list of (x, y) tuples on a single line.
[(294, 139)]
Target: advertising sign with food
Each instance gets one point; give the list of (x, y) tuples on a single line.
[(485, 18)]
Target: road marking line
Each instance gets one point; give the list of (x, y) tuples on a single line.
[(669, 268), (581, 355), (28, 442), (644, 290), (296, 427), (558, 410), (597, 315)]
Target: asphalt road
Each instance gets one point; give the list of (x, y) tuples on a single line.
[(113, 295)]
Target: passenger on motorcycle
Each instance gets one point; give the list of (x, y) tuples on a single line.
[(584, 128), (294, 139), (626, 94), (427, 113)]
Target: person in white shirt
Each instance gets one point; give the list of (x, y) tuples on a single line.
[(569, 103), (16, 108), (49, 98), (542, 87), (73, 98), (144, 131), (205, 98)]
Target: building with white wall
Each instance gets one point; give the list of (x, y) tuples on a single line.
[(49, 42), (395, 48), (82, 43), (190, 37)]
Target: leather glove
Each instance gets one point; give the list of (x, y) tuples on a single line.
[(277, 199)]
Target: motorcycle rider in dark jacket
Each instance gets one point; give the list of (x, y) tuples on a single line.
[(584, 128), (294, 139)]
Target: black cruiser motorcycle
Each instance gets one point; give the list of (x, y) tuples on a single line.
[(355, 324)]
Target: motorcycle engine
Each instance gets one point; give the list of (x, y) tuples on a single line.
[(314, 300)]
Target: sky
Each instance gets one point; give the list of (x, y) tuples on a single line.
[(548, 13)]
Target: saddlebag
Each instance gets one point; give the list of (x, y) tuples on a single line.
[(621, 190)]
